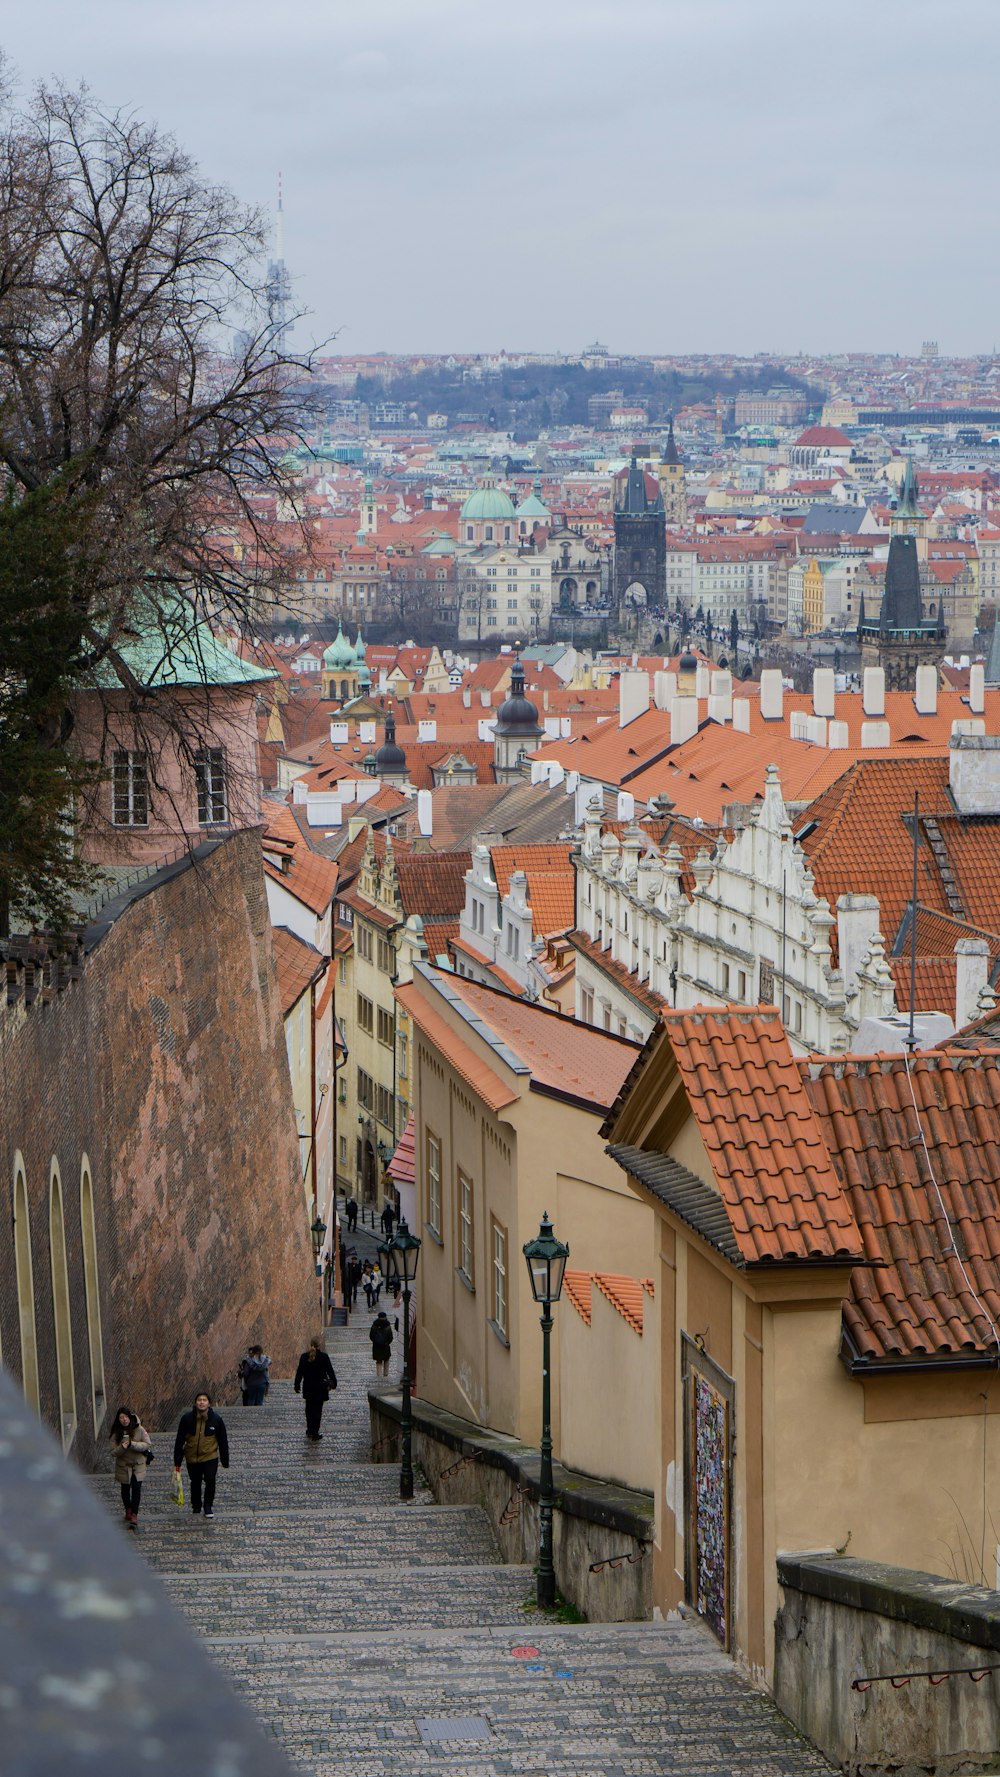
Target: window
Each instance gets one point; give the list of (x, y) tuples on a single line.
[(500, 1278), (366, 1090), (366, 1014), (365, 943), (210, 779), (385, 1109), (489, 533), (386, 1028), (587, 1005), (512, 617), (343, 1150), (433, 1182), (386, 957), (512, 604), (404, 1051), (465, 1227), (491, 620), (130, 789)]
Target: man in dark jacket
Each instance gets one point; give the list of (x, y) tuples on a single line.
[(202, 1441), (315, 1377), (381, 1338), (352, 1214)]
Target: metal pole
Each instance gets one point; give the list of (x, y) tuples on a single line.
[(406, 1469), (546, 1570)]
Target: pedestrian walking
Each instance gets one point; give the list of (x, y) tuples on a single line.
[(381, 1338), (316, 1378), (352, 1214), (203, 1443), (355, 1273), (254, 1375), (133, 1452), (368, 1284), (387, 1218)]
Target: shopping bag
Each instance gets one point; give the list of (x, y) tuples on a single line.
[(177, 1488)]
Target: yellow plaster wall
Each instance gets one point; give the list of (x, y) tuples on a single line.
[(610, 1421)]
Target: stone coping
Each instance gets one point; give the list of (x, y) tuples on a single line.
[(922, 1600), (580, 1496)]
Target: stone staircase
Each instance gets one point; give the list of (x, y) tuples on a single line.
[(374, 1637)]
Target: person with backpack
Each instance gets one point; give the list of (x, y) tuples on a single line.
[(253, 1374), (315, 1377), (381, 1338)]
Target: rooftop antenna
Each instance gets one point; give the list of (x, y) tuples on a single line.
[(279, 228), (911, 1038)]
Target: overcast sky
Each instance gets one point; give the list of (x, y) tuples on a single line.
[(665, 175)]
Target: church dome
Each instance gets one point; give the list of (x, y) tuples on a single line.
[(517, 714), (359, 648), (488, 502), (687, 664), (390, 756), (533, 506), (339, 655)]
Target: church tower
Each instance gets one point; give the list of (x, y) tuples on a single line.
[(903, 638), (279, 284), (673, 486), (640, 570), (517, 732), (369, 513)]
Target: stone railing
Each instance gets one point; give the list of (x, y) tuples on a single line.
[(888, 1670), (99, 1672)]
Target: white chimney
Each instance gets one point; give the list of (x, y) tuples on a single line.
[(815, 730), (572, 780), (486, 700), (683, 720), (427, 730), (702, 679), (340, 734), (299, 791), (977, 688), (722, 689), (837, 736), (873, 691), (366, 787), (467, 697), (857, 924), (741, 715), (539, 770), (875, 734), (633, 696), (486, 730), (582, 797), (968, 725), (974, 773), (551, 726), (366, 733), (565, 728), (324, 810), (824, 690), (626, 805), (926, 693), (425, 813), (664, 689), (720, 709), (972, 963), (772, 694), (556, 774)]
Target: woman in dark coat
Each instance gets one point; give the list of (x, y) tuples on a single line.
[(315, 1377)]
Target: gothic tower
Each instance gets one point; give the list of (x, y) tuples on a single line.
[(673, 486), (640, 575), (903, 638)]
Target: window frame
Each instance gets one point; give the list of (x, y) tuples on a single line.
[(433, 1174), (499, 1278), (129, 773), (211, 787), (465, 1206)]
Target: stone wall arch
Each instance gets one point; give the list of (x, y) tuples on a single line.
[(92, 1291), (61, 1308), (25, 1276)]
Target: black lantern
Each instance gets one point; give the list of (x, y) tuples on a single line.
[(404, 1251), (546, 1257), (318, 1232)]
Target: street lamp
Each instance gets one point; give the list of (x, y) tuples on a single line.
[(318, 1232), (546, 1257), (404, 1251)]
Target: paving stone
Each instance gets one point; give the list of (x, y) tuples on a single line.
[(347, 1618)]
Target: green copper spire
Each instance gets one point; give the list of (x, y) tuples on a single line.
[(906, 506)]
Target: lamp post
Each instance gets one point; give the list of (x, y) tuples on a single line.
[(546, 1258), (318, 1232), (404, 1251)]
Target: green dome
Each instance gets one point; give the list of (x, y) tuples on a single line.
[(488, 502), (359, 648), (340, 654)]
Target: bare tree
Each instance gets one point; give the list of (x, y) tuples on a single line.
[(124, 278)]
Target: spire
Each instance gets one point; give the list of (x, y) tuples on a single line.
[(906, 505), (279, 228), (992, 675), (902, 605), (861, 612), (670, 453)]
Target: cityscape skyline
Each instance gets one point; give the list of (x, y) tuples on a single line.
[(677, 178)]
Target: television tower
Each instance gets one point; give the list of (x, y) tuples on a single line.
[(279, 285)]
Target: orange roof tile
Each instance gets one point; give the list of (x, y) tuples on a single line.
[(298, 965), (577, 1285), (624, 1294), (477, 1073), (551, 882), (783, 1197), (403, 1165), (566, 1058), (310, 877), (623, 977)]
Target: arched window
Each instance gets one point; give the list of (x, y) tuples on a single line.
[(25, 1287), (92, 1287), (61, 1309)]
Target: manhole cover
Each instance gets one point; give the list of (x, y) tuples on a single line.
[(454, 1727)]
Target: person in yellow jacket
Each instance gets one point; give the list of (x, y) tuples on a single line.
[(203, 1443)]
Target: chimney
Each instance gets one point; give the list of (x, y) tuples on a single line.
[(837, 736), (339, 733), (486, 700), (974, 773), (772, 694), (664, 689), (824, 690), (427, 730), (425, 813), (626, 805), (977, 687), (873, 691), (925, 694), (683, 720), (741, 715), (875, 734), (721, 693), (467, 698), (633, 696), (857, 925), (972, 963)]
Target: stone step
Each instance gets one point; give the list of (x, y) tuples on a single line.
[(298, 1541), (275, 1603)]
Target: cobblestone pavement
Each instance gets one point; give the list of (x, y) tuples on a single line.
[(374, 1638)]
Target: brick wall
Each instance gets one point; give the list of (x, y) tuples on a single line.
[(165, 1064)]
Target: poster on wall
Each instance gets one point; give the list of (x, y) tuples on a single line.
[(711, 1506)]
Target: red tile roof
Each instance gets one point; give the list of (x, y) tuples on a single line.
[(297, 963), (929, 1219), (766, 1148), (477, 1073), (310, 877), (565, 1058), (624, 1294), (617, 972), (403, 1165), (578, 1285), (551, 882)]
